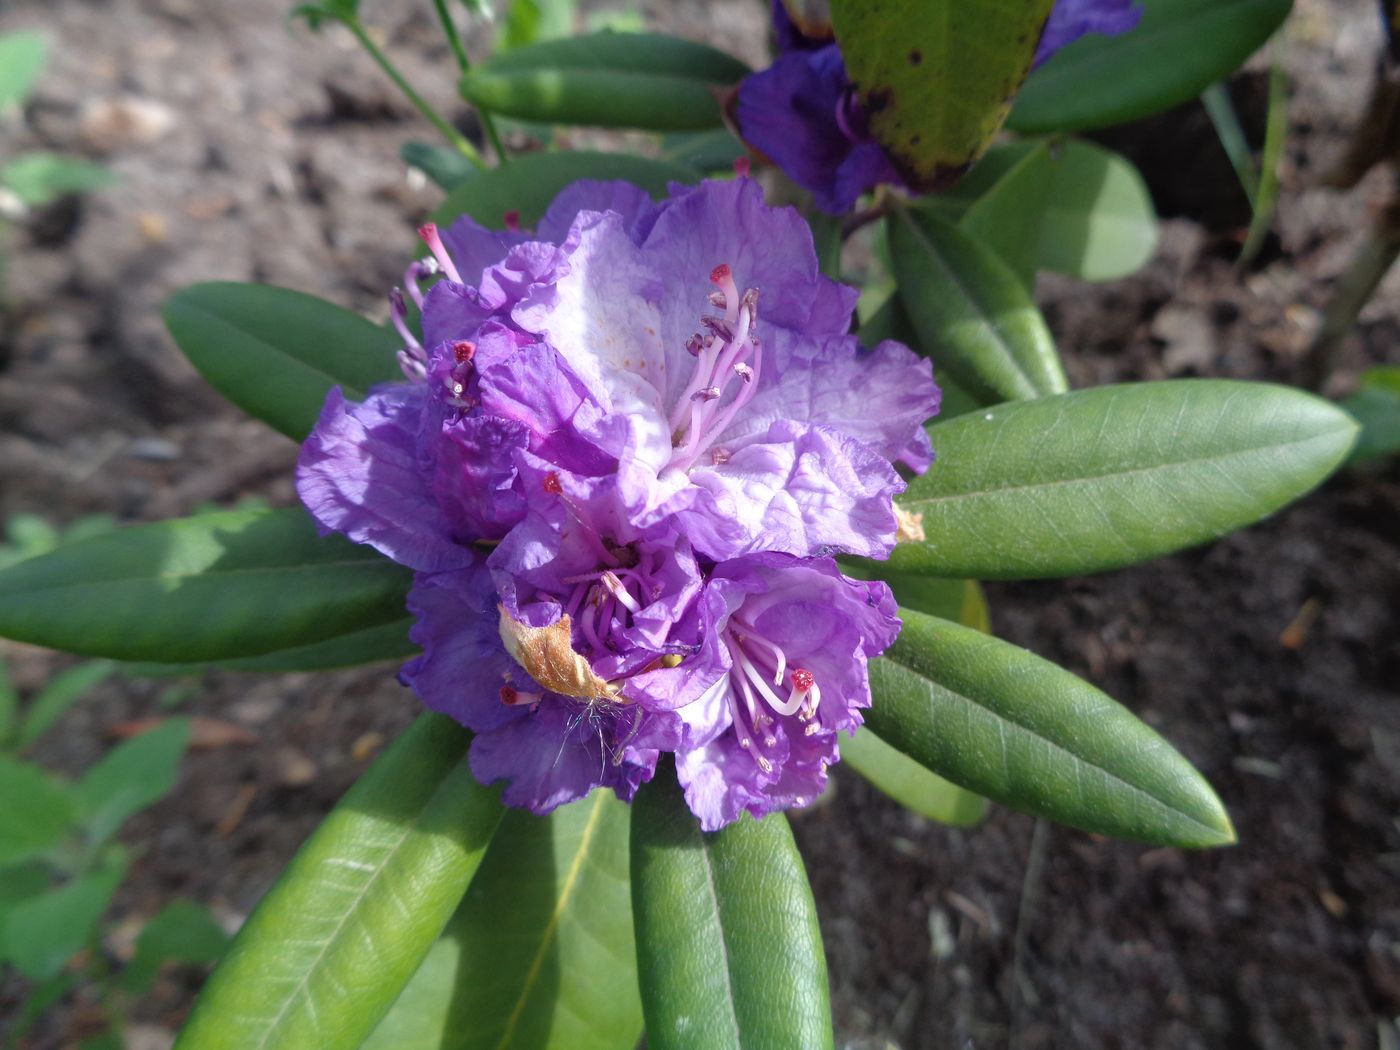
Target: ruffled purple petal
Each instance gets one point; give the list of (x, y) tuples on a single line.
[(361, 473), (1072, 19)]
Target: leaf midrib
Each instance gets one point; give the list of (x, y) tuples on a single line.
[(1003, 719), (378, 564), (1090, 478)]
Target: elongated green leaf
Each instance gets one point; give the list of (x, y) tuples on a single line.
[(910, 784), (41, 933), (639, 80), (58, 696), (325, 954), (275, 353), (1103, 478), (705, 151), (9, 706), (728, 948), (371, 645), (540, 954), (135, 774), (528, 184), (937, 77), (972, 312), (444, 166), (1005, 723), (215, 586), (36, 813), (1178, 49), (38, 178), (21, 60), (890, 321), (1376, 406), (1074, 208)]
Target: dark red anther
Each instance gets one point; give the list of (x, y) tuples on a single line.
[(803, 679), (463, 350), (741, 167), (720, 273), (513, 221), (552, 485), (510, 696)]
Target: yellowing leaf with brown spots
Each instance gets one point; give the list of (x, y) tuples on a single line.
[(937, 77), (548, 654)]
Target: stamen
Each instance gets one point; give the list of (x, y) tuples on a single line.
[(742, 166), (413, 369), (750, 635), (719, 456), (710, 393), (429, 232), (416, 269), (744, 372), (614, 585), (741, 660), (513, 697), (512, 220)]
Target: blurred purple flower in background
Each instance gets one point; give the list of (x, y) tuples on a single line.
[(626, 451)]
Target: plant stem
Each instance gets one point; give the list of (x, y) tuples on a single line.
[(433, 117), (1375, 257), (454, 39)]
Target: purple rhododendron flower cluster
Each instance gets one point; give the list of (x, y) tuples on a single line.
[(629, 447), (803, 114)]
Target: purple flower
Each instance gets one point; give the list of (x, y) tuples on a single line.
[(621, 507), (803, 114), (1072, 19), (793, 637)]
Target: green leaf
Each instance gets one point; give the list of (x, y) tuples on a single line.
[(891, 321), (705, 151), (729, 953), (528, 184), (528, 21), (1204, 40), (968, 306), (335, 940), (607, 79), (910, 784), (540, 954), (371, 645), (38, 178), (9, 707), (211, 587), (1376, 406), (937, 77), (182, 932), (1073, 208), (1004, 723), (135, 774), (276, 353), (41, 933), (37, 813), (58, 696), (446, 167), (21, 60), (1108, 477)]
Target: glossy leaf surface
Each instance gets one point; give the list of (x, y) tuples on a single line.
[(1179, 49), (539, 955), (1102, 478), (1073, 208), (910, 784), (1004, 723), (638, 80), (371, 645), (528, 184), (937, 77), (972, 312), (1376, 406), (728, 947), (215, 586), (329, 948), (275, 353)]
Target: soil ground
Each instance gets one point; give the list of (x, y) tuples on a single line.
[(271, 155)]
